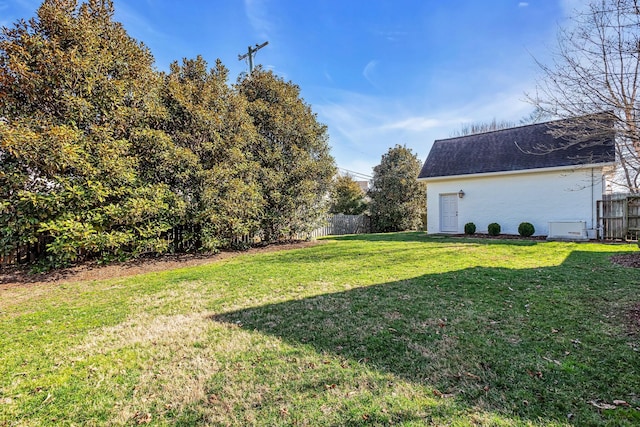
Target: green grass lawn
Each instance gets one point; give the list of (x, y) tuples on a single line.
[(397, 329)]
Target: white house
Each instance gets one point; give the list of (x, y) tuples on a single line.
[(521, 174)]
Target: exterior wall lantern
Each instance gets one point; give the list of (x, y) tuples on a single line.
[(461, 194)]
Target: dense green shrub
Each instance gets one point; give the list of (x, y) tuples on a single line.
[(347, 197), (397, 198), (104, 157), (494, 229), (469, 228), (295, 167), (526, 229)]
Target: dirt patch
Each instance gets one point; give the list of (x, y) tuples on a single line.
[(13, 277), (633, 319), (627, 260)]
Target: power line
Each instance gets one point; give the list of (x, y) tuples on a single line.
[(356, 174), (251, 52)]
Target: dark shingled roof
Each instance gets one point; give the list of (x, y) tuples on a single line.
[(515, 149)]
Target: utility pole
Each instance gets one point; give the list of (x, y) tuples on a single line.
[(251, 53)]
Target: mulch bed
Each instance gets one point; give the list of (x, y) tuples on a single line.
[(500, 236), (627, 260), (633, 319)]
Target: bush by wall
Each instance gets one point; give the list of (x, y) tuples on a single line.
[(494, 229), (526, 229), (469, 228)]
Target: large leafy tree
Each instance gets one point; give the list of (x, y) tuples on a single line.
[(296, 168), (593, 79), (75, 93), (398, 199), (347, 197), (217, 177)]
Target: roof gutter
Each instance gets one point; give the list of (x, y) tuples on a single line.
[(517, 172)]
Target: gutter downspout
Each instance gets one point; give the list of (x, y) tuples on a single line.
[(593, 187)]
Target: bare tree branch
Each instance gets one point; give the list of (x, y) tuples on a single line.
[(594, 74)]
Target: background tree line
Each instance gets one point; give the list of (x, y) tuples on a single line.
[(103, 154)]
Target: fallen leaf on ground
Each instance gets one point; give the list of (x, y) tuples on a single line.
[(470, 375), (552, 361), (142, 418), (620, 403), (534, 374), (602, 405)]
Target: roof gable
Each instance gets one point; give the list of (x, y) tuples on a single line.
[(517, 149)]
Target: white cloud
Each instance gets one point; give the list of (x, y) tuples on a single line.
[(369, 70), (363, 127), (523, 4), (327, 75), (164, 46), (414, 124), (351, 116), (393, 36), (133, 20), (259, 19)]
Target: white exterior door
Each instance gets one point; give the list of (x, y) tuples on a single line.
[(448, 213)]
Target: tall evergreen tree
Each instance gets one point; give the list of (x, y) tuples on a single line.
[(208, 120), (398, 199), (347, 197), (296, 167), (75, 90)]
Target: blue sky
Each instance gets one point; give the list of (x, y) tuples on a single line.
[(377, 72)]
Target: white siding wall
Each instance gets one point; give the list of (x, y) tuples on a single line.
[(537, 198)]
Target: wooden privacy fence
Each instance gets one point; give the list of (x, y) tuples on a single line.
[(619, 217), (25, 254), (344, 224), (185, 238)]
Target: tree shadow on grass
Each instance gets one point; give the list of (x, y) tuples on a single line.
[(534, 343)]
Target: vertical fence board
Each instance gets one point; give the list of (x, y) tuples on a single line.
[(344, 224), (619, 217)]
